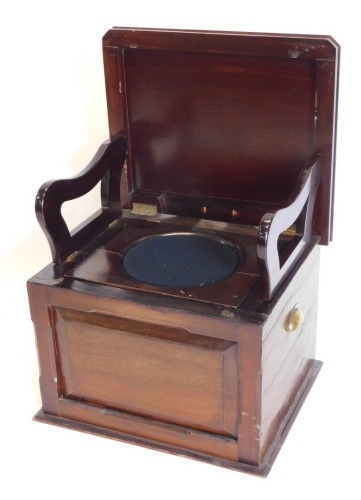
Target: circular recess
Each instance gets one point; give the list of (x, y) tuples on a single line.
[(180, 260)]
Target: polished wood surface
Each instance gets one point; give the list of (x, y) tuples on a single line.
[(251, 44), (224, 115), (205, 124), (287, 357), (266, 254), (229, 135), (106, 166), (104, 264), (276, 265), (196, 446), (157, 370), (200, 378), (215, 126)]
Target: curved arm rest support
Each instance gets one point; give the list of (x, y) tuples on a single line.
[(300, 205), (106, 166)]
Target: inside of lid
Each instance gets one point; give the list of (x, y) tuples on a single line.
[(220, 136)]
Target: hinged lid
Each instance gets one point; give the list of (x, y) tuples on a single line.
[(220, 125)]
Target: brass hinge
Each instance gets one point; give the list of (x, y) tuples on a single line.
[(144, 209), (291, 231), (71, 256)]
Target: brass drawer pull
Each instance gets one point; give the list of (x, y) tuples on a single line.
[(294, 319)]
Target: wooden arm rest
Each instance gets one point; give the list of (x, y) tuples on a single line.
[(106, 166), (299, 210)]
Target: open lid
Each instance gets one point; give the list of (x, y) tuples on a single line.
[(229, 117)]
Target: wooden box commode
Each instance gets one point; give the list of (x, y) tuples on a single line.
[(182, 315)]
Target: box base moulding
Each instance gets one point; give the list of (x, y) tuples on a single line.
[(261, 470)]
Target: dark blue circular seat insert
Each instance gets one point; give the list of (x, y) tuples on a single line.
[(179, 260)]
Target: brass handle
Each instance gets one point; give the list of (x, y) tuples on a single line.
[(294, 319)]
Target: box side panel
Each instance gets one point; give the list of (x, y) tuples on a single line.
[(287, 357)]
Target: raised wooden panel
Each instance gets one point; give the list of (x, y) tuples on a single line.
[(150, 370), (204, 124)]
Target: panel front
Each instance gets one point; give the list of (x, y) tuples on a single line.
[(149, 370)]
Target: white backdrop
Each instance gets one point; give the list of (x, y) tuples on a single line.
[(52, 119)]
